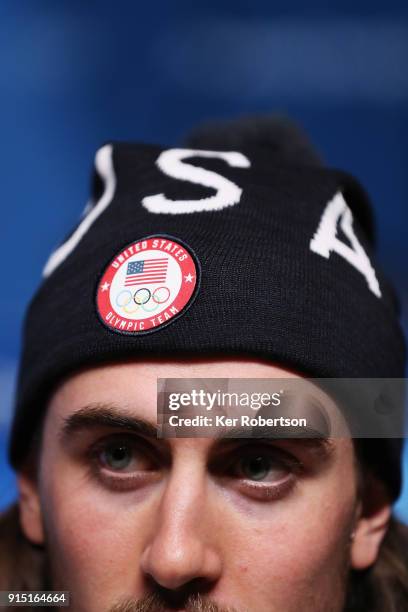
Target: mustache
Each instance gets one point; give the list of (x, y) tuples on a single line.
[(155, 603)]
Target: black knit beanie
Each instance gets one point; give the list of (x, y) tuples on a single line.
[(242, 243)]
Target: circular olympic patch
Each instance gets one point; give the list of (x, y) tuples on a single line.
[(147, 284)]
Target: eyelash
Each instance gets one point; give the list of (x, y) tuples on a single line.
[(127, 481)]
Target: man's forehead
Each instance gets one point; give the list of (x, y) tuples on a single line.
[(126, 377)]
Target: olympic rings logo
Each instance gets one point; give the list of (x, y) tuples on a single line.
[(130, 303)]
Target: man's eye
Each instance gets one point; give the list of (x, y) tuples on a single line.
[(122, 456), (262, 472), (124, 463), (262, 467)]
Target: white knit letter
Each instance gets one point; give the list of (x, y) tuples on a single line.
[(325, 240), (171, 163)]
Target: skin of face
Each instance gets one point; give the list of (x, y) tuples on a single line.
[(191, 516)]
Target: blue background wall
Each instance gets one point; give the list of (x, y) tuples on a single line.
[(75, 74)]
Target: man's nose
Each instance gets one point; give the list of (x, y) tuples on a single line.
[(182, 548)]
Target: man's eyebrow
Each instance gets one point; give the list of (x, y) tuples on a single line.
[(308, 437), (106, 415)]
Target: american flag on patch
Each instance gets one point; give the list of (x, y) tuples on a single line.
[(146, 271)]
